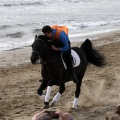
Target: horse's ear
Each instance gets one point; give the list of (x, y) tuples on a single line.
[(36, 37)]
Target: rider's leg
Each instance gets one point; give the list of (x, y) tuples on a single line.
[(69, 62)]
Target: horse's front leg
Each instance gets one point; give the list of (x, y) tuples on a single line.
[(58, 95), (41, 88), (47, 96)]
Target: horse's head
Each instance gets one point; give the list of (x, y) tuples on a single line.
[(38, 48)]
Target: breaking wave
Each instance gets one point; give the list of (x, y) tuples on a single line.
[(15, 35)]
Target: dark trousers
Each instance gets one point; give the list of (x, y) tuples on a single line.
[(67, 57)]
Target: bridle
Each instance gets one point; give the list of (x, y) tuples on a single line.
[(39, 55)]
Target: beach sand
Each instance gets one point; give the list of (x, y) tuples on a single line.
[(19, 81)]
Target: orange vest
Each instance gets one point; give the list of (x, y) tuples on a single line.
[(58, 30)]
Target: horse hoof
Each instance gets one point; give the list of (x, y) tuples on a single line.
[(71, 109), (42, 97), (52, 104), (46, 105)]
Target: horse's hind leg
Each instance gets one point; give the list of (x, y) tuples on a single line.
[(41, 88), (58, 95), (77, 93), (78, 89)]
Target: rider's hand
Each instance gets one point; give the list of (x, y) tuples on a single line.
[(54, 48)]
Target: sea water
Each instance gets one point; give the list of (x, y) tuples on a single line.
[(21, 20)]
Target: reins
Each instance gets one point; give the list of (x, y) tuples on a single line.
[(42, 61)]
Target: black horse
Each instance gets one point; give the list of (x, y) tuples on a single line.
[(53, 71)]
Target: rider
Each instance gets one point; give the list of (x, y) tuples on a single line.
[(57, 34)]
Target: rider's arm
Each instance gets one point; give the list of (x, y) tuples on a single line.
[(64, 40)]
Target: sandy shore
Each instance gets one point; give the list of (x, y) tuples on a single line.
[(99, 91)]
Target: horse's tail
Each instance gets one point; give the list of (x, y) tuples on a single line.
[(93, 56)]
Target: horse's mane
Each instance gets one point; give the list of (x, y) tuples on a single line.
[(43, 37), (48, 42)]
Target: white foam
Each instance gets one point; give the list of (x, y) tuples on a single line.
[(13, 45), (92, 33)]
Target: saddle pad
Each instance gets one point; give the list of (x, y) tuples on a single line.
[(76, 59)]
